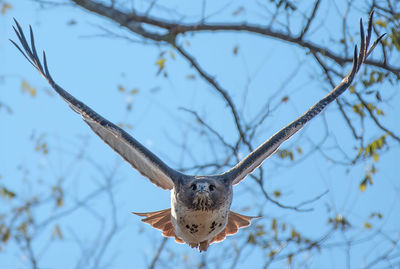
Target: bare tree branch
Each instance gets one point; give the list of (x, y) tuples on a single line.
[(133, 22)]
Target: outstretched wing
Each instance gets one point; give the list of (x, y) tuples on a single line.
[(255, 158), (148, 164)]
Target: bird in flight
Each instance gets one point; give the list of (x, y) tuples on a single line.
[(200, 205)]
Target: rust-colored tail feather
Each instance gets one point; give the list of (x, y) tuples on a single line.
[(235, 222), (161, 220)]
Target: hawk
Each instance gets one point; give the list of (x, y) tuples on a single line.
[(200, 205)]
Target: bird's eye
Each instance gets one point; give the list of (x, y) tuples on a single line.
[(212, 187), (193, 187)]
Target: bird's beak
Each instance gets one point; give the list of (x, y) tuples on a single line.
[(202, 188)]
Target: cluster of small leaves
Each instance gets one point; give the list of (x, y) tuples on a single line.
[(372, 149), (339, 222), (373, 215), (5, 233), (381, 23), (359, 109), (123, 89), (26, 87), (395, 36), (6, 193), (259, 231), (368, 178), (41, 145), (285, 153), (130, 93), (281, 236), (4, 230), (394, 33), (19, 222), (5, 6), (24, 219), (58, 195), (375, 76), (161, 61)]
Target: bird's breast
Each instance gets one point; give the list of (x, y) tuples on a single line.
[(195, 226)]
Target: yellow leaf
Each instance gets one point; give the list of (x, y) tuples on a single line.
[(57, 232), (171, 53), (251, 239), (134, 91), (376, 157), (381, 23), (6, 193), (367, 225), (277, 194), (294, 233), (23, 228), (375, 214), (161, 63), (274, 224), (5, 7), (28, 88), (41, 146), (60, 202), (363, 186), (272, 253), (290, 258), (6, 235), (121, 88)]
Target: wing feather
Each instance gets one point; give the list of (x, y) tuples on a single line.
[(256, 158), (142, 159)]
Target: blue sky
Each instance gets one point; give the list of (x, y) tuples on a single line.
[(91, 67)]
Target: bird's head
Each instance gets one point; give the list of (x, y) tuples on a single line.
[(205, 193)]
